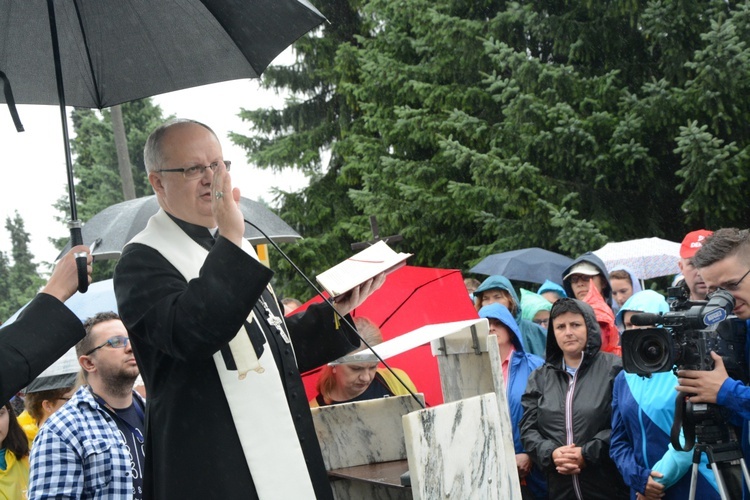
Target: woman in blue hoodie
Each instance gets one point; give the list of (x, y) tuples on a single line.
[(497, 289), (642, 416), (517, 366)]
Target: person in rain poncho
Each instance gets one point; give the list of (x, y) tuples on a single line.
[(498, 289), (624, 284), (517, 366), (587, 269), (535, 308), (551, 291)]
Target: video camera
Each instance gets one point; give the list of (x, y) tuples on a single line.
[(686, 336)]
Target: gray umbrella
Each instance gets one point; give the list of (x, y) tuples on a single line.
[(116, 225), (534, 265), (99, 53)]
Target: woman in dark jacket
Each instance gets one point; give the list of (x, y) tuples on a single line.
[(566, 423)]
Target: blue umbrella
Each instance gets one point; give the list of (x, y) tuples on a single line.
[(99, 298), (62, 373), (534, 265)]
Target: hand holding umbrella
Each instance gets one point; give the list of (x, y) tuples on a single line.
[(65, 278)]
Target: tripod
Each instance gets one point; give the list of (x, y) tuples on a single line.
[(722, 457), (707, 430)]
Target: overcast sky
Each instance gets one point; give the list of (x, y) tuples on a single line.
[(35, 162)]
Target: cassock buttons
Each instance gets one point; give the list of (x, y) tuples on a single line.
[(286, 351)]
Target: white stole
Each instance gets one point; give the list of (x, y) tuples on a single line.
[(256, 396)]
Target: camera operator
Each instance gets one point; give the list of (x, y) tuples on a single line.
[(724, 262)]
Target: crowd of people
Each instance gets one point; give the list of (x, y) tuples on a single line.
[(226, 415)]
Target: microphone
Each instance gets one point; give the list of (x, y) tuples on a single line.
[(646, 319), (335, 311)]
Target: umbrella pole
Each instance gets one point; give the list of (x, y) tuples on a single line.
[(74, 224)]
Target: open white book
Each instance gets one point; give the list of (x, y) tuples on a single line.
[(379, 258)]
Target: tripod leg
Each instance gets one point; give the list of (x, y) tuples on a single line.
[(694, 479), (719, 479), (744, 471)]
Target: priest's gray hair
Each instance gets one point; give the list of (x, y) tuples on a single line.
[(152, 150)]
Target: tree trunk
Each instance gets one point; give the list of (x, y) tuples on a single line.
[(123, 157)]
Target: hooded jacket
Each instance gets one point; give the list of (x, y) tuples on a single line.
[(551, 286), (642, 416), (606, 319), (533, 335), (531, 304), (562, 409), (599, 264), (521, 366), (633, 279)]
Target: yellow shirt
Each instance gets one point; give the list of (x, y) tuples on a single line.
[(14, 480)]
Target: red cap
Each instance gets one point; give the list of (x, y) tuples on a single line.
[(693, 242)]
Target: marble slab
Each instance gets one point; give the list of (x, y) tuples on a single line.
[(465, 375), (462, 341), (455, 451), (357, 490), (362, 433), (506, 426)]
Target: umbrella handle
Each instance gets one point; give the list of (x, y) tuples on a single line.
[(76, 238)]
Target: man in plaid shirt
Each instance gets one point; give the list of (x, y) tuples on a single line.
[(92, 447)]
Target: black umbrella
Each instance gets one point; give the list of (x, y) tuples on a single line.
[(534, 265), (114, 226), (99, 53)]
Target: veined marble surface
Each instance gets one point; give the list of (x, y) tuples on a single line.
[(462, 341), (362, 433), (455, 451), (358, 490), (465, 375), (506, 426)]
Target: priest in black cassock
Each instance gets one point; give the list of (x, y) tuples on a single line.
[(45, 329), (227, 415)]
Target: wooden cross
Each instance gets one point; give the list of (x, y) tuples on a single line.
[(376, 237)]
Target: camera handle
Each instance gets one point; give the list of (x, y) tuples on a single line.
[(683, 420)]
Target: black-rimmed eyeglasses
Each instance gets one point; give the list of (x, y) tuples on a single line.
[(732, 286), (117, 342), (198, 170)]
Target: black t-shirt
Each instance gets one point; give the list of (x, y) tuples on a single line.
[(130, 422), (376, 390)]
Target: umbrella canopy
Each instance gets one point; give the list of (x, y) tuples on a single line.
[(117, 51), (116, 225), (410, 298), (534, 265), (646, 257), (99, 53), (99, 298)]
